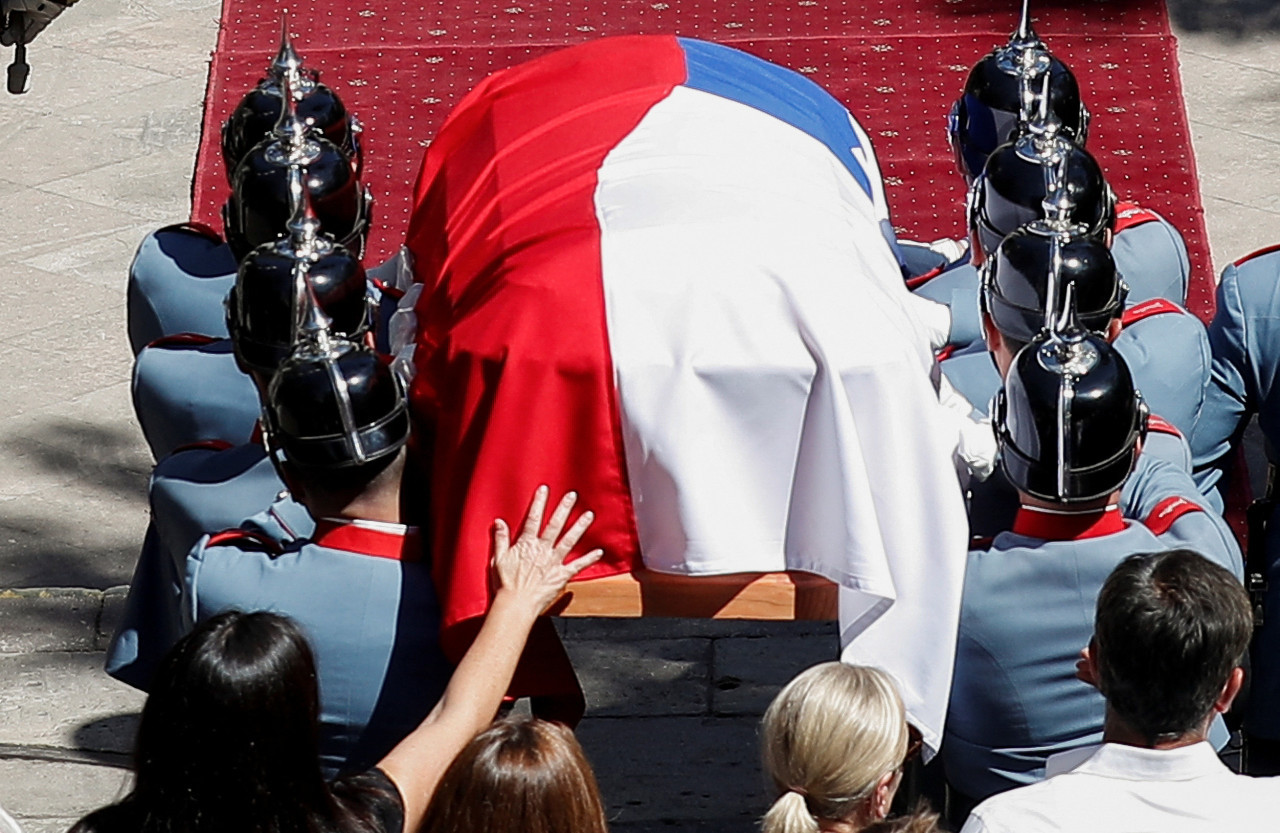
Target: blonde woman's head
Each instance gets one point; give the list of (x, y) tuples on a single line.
[(833, 743)]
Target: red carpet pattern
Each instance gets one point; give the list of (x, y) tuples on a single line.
[(401, 66)]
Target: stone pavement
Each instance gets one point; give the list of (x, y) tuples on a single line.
[(98, 153)]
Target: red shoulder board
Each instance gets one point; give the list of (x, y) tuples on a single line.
[(204, 445), (1263, 251), (945, 352), (920, 280), (1130, 214), (196, 228), (183, 340), (387, 289), (1161, 426), (246, 539), (981, 542), (1167, 511), (1156, 306)]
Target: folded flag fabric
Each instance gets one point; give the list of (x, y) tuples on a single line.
[(661, 272)]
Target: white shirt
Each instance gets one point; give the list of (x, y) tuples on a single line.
[(1125, 789)]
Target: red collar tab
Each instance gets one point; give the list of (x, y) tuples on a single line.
[(920, 280), (360, 540), (1156, 306), (1067, 526), (1162, 426), (1167, 511), (183, 340), (387, 289), (945, 352), (1266, 250), (204, 445), (1130, 214)]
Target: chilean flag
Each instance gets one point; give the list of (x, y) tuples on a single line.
[(660, 272)]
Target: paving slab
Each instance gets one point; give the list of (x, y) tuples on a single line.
[(44, 620), (64, 701), (643, 678), (48, 796), (748, 673), (667, 770)]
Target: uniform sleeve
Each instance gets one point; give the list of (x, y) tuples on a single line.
[(1207, 533), (1157, 487), (1227, 400), (957, 289), (976, 824)]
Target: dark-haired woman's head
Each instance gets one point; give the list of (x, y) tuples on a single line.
[(228, 734), (520, 776)]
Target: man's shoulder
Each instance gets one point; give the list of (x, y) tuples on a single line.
[(1083, 801)]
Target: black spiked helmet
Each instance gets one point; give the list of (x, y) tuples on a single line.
[(260, 205), (1001, 87), (317, 106), (1040, 260), (334, 404), (1069, 419), (1036, 173), (264, 306)]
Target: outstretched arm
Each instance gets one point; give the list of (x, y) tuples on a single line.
[(530, 574)]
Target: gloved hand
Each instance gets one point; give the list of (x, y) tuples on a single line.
[(37, 14)]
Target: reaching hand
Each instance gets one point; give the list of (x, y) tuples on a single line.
[(533, 569)]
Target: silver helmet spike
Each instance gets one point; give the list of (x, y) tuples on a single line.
[(1025, 52), (306, 239), (293, 144), (287, 60), (1024, 37)]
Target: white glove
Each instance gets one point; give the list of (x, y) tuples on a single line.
[(37, 14), (976, 446), (934, 317)]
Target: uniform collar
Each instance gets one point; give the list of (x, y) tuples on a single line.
[(1065, 525), (376, 538)]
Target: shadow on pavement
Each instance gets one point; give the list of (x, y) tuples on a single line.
[(1236, 18)]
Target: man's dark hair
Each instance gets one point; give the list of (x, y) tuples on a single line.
[(1170, 628)]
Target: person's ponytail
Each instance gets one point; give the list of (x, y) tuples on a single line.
[(789, 814)]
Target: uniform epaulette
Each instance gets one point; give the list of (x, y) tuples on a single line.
[(981, 542), (195, 228), (1167, 511), (204, 445), (1266, 250), (920, 280), (945, 353), (183, 340), (387, 289), (1162, 426), (1156, 306), (1130, 214), (244, 539)]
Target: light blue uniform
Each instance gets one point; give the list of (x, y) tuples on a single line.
[(1028, 609), (193, 493), (1165, 347), (177, 282), (1245, 336), (371, 616), (1149, 254), (188, 390)]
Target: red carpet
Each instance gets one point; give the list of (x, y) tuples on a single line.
[(898, 64)]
